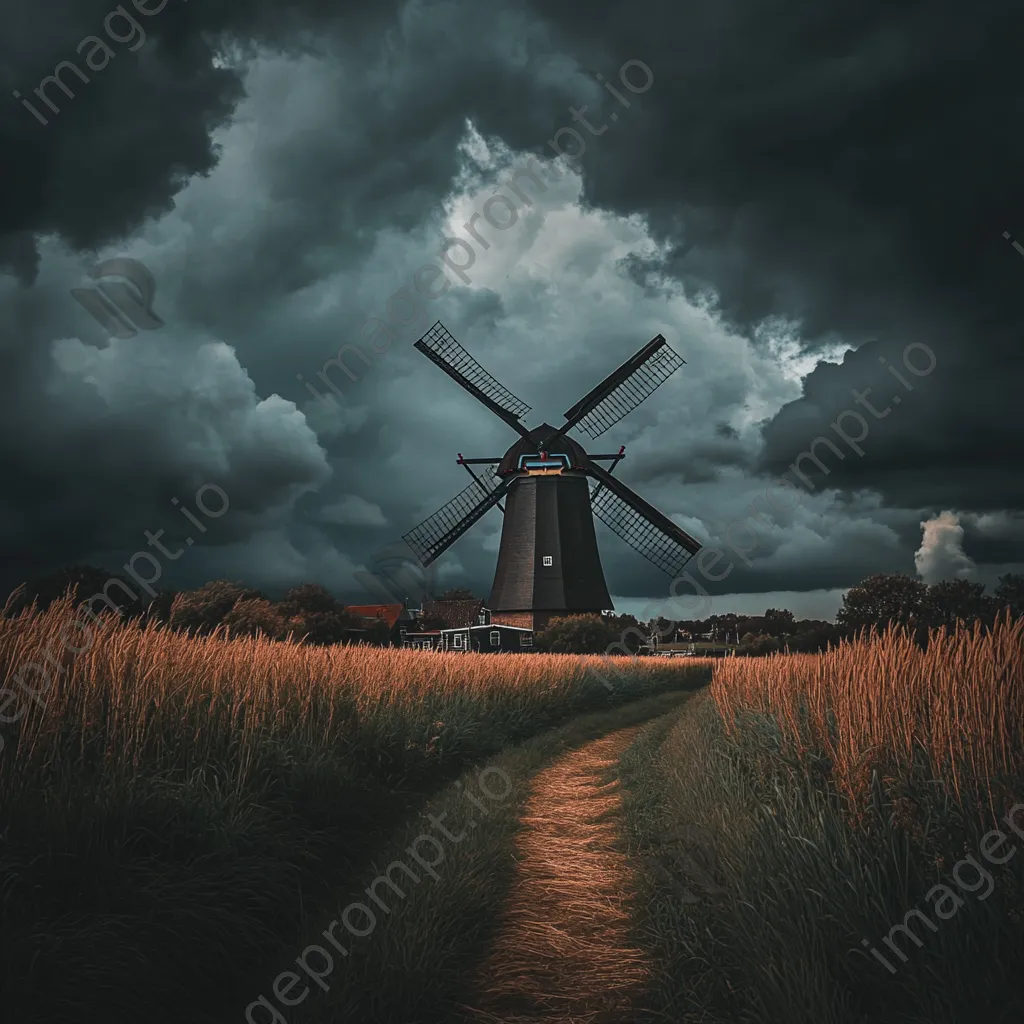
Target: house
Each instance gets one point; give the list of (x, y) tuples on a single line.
[(488, 638), (395, 616), (464, 624), (457, 613)]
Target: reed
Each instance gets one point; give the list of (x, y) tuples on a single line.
[(172, 702), (881, 706)]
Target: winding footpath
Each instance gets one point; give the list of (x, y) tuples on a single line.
[(562, 952)]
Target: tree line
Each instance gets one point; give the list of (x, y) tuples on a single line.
[(310, 613), (879, 601)]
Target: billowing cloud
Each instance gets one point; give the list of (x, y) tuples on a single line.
[(352, 510), (941, 555)]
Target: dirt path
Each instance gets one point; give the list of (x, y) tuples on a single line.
[(562, 952)]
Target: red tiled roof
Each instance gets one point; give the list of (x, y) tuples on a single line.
[(388, 613)]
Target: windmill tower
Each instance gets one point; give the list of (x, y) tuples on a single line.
[(548, 560)]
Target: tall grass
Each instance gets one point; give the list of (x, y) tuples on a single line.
[(154, 698), (953, 712), (837, 790), (175, 807)]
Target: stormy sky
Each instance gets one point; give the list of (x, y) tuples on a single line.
[(807, 200)]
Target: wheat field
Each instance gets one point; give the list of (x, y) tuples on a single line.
[(839, 794), (219, 792), (953, 712), (149, 696), (239, 783)]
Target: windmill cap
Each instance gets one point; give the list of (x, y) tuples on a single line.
[(562, 446)]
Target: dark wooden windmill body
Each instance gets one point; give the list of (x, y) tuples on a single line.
[(548, 560)]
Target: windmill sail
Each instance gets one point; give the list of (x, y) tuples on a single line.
[(624, 389), (438, 532), (641, 525), (443, 350)]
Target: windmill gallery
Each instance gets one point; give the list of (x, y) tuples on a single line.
[(548, 559)]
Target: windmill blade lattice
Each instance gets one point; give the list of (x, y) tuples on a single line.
[(438, 532), (640, 382), (441, 343), (640, 533)]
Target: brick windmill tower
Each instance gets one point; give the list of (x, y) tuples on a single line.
[(548, 561)]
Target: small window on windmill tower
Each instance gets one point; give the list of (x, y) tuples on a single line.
[(548, 560)]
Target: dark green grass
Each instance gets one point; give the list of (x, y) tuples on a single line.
[(170, 893), (801, 885)]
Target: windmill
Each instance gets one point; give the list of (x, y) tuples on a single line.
[(548, 560)]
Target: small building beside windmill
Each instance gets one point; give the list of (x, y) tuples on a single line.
[(464, 624), (492, 638)]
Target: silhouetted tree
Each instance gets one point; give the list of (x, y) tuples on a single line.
[(628, 631), (666, 629), (1010, 593), (778, 621), (315, 615), (458, 594), (949, 601), (576, 634), (159, 609), (83, 581), (881, 600), (758, 646), (308, 598), (812, 636)]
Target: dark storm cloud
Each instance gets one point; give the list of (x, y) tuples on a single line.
[(120, 149), (849, 165), (693, 461), (950, 443), (97, 441), (853, 166), (757, 561), (124, 142)]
